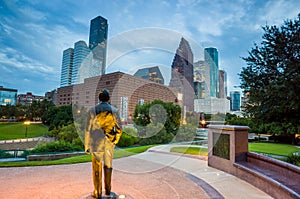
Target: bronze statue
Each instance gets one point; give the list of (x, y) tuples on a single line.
[(102, 133)]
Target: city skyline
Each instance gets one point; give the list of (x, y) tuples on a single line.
[(34, 34)]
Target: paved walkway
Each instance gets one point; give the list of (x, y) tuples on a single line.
[(156, 174)]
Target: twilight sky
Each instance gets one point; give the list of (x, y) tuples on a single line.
[(34, 33)]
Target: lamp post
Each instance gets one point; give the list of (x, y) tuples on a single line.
[(27, 123)]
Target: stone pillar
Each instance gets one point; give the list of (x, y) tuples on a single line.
[(227, 145)]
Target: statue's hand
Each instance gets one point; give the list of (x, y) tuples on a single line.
[(87, 151)]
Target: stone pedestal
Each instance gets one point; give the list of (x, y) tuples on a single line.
[(112, 196), (227, 145)]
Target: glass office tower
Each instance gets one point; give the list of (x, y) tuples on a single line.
[(182, 76), (151, 73), (98, 43), (81, 51), (211, 57), (235, 101), (66, 69), (8, 96)]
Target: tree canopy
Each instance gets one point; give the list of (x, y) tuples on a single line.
[(271, 79)]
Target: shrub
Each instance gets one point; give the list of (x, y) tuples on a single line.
[(161, 137), (4, 154), (186, 133), (57, 146), (294, 158), (128, 138)]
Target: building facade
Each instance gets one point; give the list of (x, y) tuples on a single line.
[(28, 98), (235, 100), (211, 58), (126, 92), (81, 51), (51, 96), (212, 105), (222, 84), (66, 67), (152, 74), (98, 42), (201, 80), (8, 96), (182, 76)]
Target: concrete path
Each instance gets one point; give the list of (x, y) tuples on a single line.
[(156, 174)]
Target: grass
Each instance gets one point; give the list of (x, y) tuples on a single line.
[(273, 148), (267, 148), (10, 131), (77, 159), (190, 150)]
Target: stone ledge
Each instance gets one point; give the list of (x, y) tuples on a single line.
[(263, 182), (228, 127)]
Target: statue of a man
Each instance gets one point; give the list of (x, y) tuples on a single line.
[(102, 133)]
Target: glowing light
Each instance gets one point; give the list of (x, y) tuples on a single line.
[(122, 196), (27, 122)]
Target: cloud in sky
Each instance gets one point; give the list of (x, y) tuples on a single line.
[(33, 34)]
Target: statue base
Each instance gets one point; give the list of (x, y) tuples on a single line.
[(112, 196)]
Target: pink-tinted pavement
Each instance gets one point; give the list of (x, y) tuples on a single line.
[(74, 181), (155, 174)]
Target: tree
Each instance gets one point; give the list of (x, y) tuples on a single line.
[(272, 76), (58, 116), (158, 112)]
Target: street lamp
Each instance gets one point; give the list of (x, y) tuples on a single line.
[(27, 123)]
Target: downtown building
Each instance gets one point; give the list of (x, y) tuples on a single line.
[(28, 98), (211, 57), (8, 96), (210, 85), (84, 61), (151, 73), (235, 101), (126, 91), (182, 75)]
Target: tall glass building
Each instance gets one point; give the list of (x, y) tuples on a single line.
[(182, 76), (66, 69), (235, 100), (98, 42), (211, 57), (8, 96), (201, 80), (152, 74), (81, 51)]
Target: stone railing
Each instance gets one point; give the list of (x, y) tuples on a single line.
[(228, 151)]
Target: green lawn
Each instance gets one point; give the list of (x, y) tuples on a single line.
[(190, 150), (78, 159), (268, 148), (10, 131), (273, 148)]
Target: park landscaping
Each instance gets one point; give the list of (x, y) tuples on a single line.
[(9, 131), (273, 148), (190, 150), (119, 153)]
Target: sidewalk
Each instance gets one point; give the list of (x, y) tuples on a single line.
[(155, 174), (227, 185)]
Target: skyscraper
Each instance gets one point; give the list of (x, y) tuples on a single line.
[(81, 51), (66, 69), (201, 79), (182, 78), (98, 42), (211, 57), (152, 74), (235, 101), (222, 84)]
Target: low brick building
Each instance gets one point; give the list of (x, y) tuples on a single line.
[(126, 92)]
